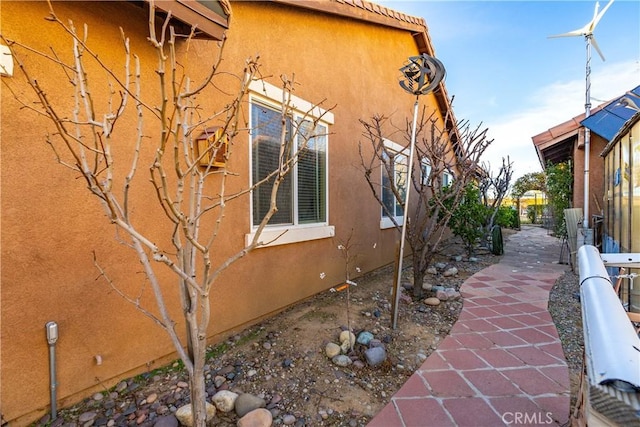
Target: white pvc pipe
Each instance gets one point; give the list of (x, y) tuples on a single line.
[(612, 346)]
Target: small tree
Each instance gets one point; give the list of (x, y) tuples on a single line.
[(469, 217), (92, 141), (493, 189), (559, 183), (530, 181), (440, 153)]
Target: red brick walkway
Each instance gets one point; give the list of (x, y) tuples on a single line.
[(502, 363)]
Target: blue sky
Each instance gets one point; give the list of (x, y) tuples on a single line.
[(507, 74)]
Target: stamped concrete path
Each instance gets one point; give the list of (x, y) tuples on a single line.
[(502, 363)]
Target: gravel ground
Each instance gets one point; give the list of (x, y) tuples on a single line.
[(564, 307), (283, 362)]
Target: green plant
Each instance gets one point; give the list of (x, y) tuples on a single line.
[(469, 217), (559, 192), (507, 217)]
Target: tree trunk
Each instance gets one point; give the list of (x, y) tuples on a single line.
[(197, 385), (419, 270)]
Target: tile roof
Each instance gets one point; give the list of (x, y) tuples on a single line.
[(384, 11)]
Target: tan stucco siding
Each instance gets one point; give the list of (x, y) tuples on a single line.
[(51, 226)]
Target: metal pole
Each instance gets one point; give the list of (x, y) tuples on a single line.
[(396, 290), (52, 337), (587, 135)]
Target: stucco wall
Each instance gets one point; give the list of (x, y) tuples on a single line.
[(51, 226), (596, 176)]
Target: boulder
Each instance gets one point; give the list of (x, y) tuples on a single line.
[(257, 418), (184, 414), (375, 356), (246, 403), (224, 400)]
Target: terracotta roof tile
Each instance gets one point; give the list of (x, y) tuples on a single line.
[(384, 11)]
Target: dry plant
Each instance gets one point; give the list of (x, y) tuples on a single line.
[(189, 188), (439, 152), (346, 248), (493, 189)]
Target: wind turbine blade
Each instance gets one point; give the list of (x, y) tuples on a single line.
[(595, 46), (574, 33), (598, 16)]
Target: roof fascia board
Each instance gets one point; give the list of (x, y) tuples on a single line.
[(208, 24)]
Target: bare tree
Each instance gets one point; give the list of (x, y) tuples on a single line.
[(493, 189), (446, 160), (189, 185)]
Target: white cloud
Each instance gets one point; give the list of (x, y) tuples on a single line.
[(550, 106)]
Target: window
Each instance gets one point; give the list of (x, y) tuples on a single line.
[(302, 198), (447, 179), (425, 171), (398, 162)]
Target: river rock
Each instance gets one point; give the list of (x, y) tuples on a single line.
[(184, 414), (450, 272), (342, 360), (345, 347), (224, 400), (433, 301), (247, 402), (365, 337), (167, 421), (86, 416), (440, 265), (257, 418), (346, 335), (332, 350), (288, 419), (375, 356)]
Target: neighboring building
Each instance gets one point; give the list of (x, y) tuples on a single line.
[(347, 52), (622, 180), (565, 142)]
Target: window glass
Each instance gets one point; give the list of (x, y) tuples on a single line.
[(312, 174), (302, 196), (399, 168), (635, 185)]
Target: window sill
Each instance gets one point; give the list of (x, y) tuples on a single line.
[(386, 222), (282, 235)]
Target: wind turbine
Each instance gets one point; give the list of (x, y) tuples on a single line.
[(587, 32)]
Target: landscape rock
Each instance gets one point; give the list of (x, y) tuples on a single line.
[(342, 360), (288, 419), (365, 337), (184, 414), (432, 301), (257, 418), (375, 356), (86, 416), (166, 421), (247, 402), (450, 272), (224, 400), (345, 347), (346, 335), (332, 350)]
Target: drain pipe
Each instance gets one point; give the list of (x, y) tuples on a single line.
[(52, 337)]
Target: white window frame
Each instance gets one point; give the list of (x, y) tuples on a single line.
[(447, 178), (271, 96), (400, 153), (425, 171)]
